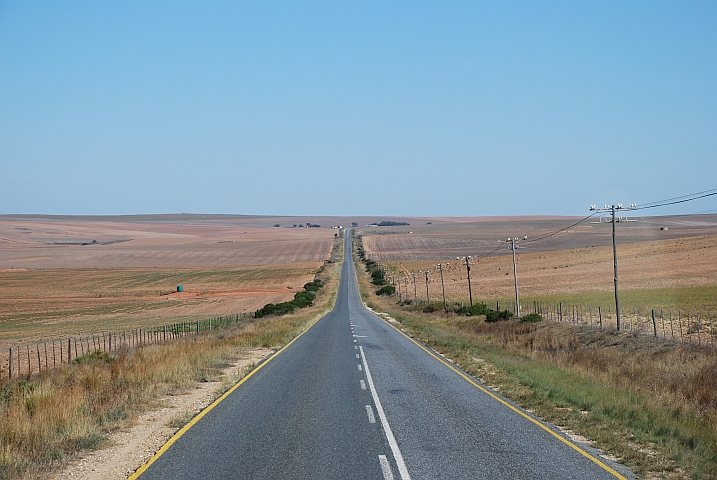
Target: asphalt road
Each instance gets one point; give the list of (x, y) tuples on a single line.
[(355, 398)]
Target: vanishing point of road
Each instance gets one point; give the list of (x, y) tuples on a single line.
[(355, 398)]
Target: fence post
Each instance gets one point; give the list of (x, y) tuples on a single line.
[(689, 328), (10, 365), (54, 360), (600, 314), (654, 323), (699, 337), (679, 321), (672, 327), (29, 362)]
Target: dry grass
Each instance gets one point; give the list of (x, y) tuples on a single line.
[(48, 418)]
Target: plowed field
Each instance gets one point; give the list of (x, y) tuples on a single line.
[(127, 272)]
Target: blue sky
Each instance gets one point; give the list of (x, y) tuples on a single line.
[(356, 108)]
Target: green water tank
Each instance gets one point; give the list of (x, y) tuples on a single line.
[(180, 288)]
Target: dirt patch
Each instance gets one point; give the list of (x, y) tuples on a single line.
[(130, 448)]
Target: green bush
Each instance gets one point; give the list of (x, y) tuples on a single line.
[(386, 290), (474, 310), (378, 281), (498, 316), (430, 308), (301, 300), (313, 286), (378, 275), (532, 318), (93, 357)]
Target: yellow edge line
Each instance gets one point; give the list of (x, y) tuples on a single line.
[(516, 410), (201, 414)]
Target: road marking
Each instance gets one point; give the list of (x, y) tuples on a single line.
[(402, 470), (369, 412), (354, 340), (511, 407), (385, 467), (358, 356), (360, 336), (363, 385), (359, 367)]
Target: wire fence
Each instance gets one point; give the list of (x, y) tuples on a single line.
[(658, 323), (666, 324), (30, 358)]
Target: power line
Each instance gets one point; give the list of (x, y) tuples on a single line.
[(676, 200), (548, 235)]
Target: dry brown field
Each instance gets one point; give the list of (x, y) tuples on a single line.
[(127, 272), (682, 258)]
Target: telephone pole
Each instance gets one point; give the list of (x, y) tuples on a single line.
[(512, 242), (612, 209), (468, 269), (428, 297), (443, 287)]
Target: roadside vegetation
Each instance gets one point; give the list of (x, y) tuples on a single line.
[(301, 300), (651, 404), (47, 418)]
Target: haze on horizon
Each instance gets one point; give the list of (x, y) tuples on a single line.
[(350, 108)]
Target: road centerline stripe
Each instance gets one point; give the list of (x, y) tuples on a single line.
[(369, 412), (385, 467), (402, 470)]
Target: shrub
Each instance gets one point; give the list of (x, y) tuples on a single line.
[(302, 299), (93, 356), (313, 286), (378, 281), (386, 290), (497, 316), (430, 308), (474, 310), (532, 318)]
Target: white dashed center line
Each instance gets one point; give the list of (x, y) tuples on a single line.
[(402, 470), (369, 412), (359, 367), (385, 467), (358, 356), (363, 385)]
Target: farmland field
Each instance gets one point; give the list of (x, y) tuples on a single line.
[(74, 275), (672, 268)]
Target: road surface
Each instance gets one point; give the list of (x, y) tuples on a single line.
[(355, 398)]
